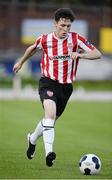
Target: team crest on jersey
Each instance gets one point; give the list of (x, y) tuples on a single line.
[(49, 93), (70, 46)]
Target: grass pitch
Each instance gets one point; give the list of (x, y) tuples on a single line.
[(85, 127)]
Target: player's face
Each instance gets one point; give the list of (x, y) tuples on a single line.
[(62, 27)]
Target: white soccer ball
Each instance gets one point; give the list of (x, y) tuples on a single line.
[(90, 164)]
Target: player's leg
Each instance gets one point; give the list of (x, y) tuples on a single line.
[(32, 139), (48, 129), (54, 106), (48, 100)]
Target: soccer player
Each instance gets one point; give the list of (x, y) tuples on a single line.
[(62, 50)]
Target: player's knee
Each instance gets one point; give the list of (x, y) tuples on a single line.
[(50, 114), (50, 109)]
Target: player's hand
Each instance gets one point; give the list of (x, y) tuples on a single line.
[(76, 55), (17, 67)]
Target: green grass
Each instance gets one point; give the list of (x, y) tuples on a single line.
[(85, 127)]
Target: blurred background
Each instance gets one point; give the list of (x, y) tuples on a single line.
[(86, 125), (21, 21)]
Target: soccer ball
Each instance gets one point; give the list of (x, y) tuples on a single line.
[(90, 164)]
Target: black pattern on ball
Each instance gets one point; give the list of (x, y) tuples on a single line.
[(87, 171), (83, 159), (95, 160)]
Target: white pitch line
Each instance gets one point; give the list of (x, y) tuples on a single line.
[(31, 94)]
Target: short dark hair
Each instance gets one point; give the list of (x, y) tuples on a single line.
[(64, 13)]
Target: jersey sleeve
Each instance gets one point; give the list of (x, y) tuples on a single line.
[(84, 44), (38, 44)]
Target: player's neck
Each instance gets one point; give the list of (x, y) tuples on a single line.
[(58, 36)]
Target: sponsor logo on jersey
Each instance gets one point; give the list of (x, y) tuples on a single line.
[(63, 57)]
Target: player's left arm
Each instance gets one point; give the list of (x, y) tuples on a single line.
[(91, 55), (89, 51)]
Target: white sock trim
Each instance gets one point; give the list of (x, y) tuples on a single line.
[(47, 122)]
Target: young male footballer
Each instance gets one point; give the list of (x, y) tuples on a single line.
[(58, 71)]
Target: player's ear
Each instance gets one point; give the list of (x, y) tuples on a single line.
[(55, 23)]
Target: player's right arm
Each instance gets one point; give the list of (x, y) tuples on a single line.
[(30, 51)]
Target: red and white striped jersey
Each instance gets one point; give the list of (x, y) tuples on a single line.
[(57, 63)]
